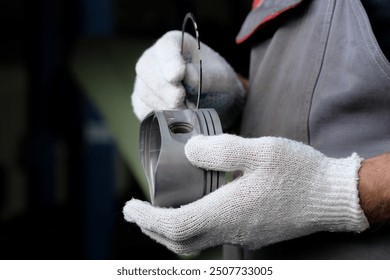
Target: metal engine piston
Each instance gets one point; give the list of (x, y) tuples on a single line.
[(173, 180)]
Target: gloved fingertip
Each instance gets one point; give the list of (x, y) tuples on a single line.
[(195, 142), (205, 142), (127, 211), (133, 208), (197, 149), (218, 152)]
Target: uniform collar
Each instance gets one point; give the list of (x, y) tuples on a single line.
[(262, 12)]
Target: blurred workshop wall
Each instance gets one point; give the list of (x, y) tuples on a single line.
[(13, 111), (68, 146)]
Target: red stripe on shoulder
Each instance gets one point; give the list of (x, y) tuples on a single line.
[(256, 3)]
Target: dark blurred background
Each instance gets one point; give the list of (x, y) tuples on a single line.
[(68, 151)]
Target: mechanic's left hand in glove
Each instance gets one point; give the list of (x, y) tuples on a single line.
[(167, 79), (287, 190)]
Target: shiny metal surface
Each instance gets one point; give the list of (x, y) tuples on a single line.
[(173, 180)]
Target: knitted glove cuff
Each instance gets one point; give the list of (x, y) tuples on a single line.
[(335, 206)]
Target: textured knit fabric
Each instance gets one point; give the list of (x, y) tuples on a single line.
[(166, 79), (287, 190)]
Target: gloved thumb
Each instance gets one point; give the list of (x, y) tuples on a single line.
[(223, 152)]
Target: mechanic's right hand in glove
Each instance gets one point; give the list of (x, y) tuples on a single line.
[(166, 79), (287, 190)]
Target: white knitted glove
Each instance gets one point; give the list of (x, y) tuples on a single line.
[(287, 190), (165, 79)]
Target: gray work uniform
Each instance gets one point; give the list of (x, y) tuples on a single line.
[(319, 76)]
